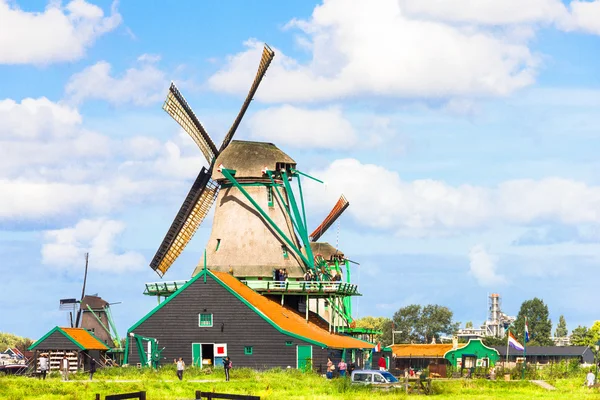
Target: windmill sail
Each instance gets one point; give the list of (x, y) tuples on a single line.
[(337, 210), (191, 214), (176, 106), (265, 61)]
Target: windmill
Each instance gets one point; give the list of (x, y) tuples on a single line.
[(259, 223)]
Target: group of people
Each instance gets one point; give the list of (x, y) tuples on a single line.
[(227, 364), (342, 368), (319, 276), (64, 366)]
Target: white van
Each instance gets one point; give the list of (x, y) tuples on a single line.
[(371, 376)]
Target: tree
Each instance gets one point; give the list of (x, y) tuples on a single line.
[(583, 336), (469, 325), (421, 324), (561, 328), (580, 336), (538, 320), (494, 341), (382, 324)]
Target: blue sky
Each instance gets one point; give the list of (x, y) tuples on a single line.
[(464, 135)]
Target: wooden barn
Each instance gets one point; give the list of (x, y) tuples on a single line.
[(78, 344), (216, 315)]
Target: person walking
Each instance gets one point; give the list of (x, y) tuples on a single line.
[(93, 364), (64, 368), (227, 367), (330, 369), (43, 365), (180, 368), (342, 366)]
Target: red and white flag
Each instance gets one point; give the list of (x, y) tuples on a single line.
[(377, 347)]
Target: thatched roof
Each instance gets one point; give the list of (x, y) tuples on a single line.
[(326, 250), (248, 159)]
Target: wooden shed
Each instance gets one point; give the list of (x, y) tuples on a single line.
[(216, 315), (78, 344)]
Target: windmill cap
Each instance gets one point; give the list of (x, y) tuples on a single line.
[(251, 159)]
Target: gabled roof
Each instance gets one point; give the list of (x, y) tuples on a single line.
[(282, 319), (285, 320), (422, 350), (82, 338)]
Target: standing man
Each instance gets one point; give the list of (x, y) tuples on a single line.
[(590, 378), (382, 364), (43, 365), (342, 366), (92, 367), (227, 366), (180, 368), (64, 367)]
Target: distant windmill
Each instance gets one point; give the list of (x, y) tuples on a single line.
[(259, 224)]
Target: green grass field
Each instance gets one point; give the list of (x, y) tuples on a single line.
[(274, 384)]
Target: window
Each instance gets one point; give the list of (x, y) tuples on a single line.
[(205, 320), (378, 379), (284, 250), (270, 195), (218, 244), (289, 343), (248, 350)]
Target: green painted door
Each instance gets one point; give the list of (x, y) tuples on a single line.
[(304, 357), (197, 354)]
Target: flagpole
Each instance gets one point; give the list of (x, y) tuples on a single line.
[(524, 348), (507, 346)]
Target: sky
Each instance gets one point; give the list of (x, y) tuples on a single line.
[(464, 134)]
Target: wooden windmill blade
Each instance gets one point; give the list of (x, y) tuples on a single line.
[(335, 213), (194, 209), (176, 106), (265, 61)]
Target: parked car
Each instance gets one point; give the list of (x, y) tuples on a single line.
[(371, 376)]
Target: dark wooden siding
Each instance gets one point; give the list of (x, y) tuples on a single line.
[(175, 326), (57, 341)]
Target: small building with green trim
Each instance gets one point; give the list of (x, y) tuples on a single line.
[(214, 315), (473, 354), (80, 346)]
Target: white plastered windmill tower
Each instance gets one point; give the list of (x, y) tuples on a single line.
[(259, 224)]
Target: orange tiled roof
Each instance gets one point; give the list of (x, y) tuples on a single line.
[(288, 320), (422, 350), (85, 339)]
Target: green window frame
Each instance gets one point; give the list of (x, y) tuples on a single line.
[(205, 320), (284, 250), (248, 350), (270, 196), (289, 343)]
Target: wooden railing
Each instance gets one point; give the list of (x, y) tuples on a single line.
[(211, 395)]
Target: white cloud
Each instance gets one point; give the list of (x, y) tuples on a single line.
[(579, 15), (55, 35), (373, 48), (433, 207), (64, 248), (482, 266), (51, 167), (35, 118), (142, 86), (303, 128), (585, 16), (492, 12)]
